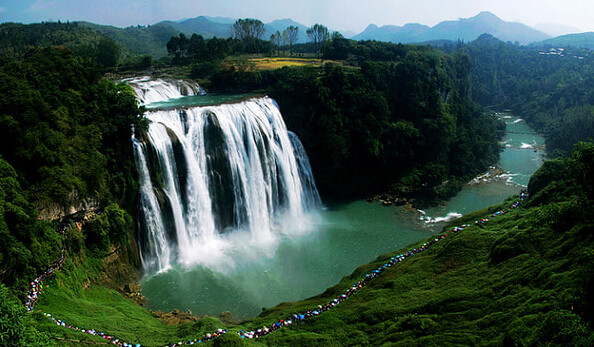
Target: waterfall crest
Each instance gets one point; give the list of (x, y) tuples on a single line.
[(217, 178), (149, 90)]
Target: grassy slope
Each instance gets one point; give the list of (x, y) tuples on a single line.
[(513, 281), (72, 298), (524, 278)]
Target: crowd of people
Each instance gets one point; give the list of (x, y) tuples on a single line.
[(37, 286), (368, 277), (118, 342)]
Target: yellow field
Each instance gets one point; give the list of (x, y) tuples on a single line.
[(277, 63)]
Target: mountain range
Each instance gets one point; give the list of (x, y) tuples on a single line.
[(152, 39), (221, 27), (466, 29)]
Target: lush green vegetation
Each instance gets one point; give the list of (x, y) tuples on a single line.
[(17, 327), (129, 48), (138, 40), (402, 120), (388, 117), (65, 129), (551, 89), (16, 39), (523, 278), (27, 245), (65, 140)]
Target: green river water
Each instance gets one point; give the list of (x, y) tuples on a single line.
[(340, 238)]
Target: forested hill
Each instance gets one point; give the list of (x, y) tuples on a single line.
[(64, 143), (390, 117), (550, 88), (99, 42)]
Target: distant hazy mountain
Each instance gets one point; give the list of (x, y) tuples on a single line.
[(205, 26), (348, 33), (222, 20), (583, 40), (391, 33), (282, 24), (467, 29), (222, 27), (555, 30)]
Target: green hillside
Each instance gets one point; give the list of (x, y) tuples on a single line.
[(16, 38), (523, 277), (151, 40), (84, 38), (581, 40)]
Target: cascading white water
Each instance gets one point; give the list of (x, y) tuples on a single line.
[(218, 178), (149, 90)]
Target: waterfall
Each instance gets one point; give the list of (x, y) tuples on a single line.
[(149, 90), (212, 174)]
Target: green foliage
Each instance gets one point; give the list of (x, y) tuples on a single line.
[(583, 166), (249, 31), (400, 124), (97, 235), (137, 40), (65, 129), (108, 52), (551, 89), (16, 325), (120, 224), (519, 279), (198, 51), (110, 227), (27, 245), (16, 39)]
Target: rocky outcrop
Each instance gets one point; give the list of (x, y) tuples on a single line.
[(54, 210), (175, 317)]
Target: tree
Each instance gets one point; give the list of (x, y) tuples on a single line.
[(16, 326), (249, 31), (318, 34), (196, 47), (292, 36), (178, 46), (246, 29), (276, 40), (338, 48), (108, 52)]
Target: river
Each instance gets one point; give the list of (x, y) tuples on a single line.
[(338, 240)]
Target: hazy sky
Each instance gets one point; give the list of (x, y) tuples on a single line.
[(352, 15)]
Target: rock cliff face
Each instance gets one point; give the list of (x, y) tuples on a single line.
[(54, 210)]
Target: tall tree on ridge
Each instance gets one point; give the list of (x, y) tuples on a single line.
[(249, 31), (318, 34), (292, 36)]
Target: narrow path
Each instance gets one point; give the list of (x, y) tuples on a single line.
[(36, 288)]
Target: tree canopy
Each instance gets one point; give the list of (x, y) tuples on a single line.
[(406, 124)]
